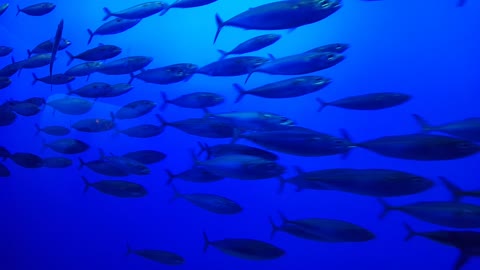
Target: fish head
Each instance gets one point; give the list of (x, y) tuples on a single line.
[(467, 147), (320, 82), (340, 47), (333, 58), (325, 4), (276, 119)]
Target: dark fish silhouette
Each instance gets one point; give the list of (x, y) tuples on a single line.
[(56, 42)]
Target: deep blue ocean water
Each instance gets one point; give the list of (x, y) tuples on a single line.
[(428, 49)]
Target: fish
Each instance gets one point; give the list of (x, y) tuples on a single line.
[(167, 74), (57, 162), (300, 142), (203, 127), (92, 90), (228, 149), (135, 109), (245, 248), (186, 4), (27, 160), (288, 88), (143, 131), (4, 171), (67, 146), (117, 188), (234, 66), (468, 128), (101, 52), (115, 26), (372, 101), (252, 45), (39, 9), (4, 153), (71, 105), (125, 65), (3, 8), (25, 108), (367, 182), (5, 50), (129, 165), (5, 82), (210, 202), (457, 192), (56, 42), (94, 125), (465, 241), (55, 79), (160, 256), (84, 69), (139, 11), (322, 230), (52, 130), (118, 90), (421, 147), (280, 15), (104, 167), (251, 120), (7, 116), (196, 100), (298, 64), (333, 47), (36, 61), (242, 167), (449, 214), (47, 47), (195, 175), (146, 156), (12, 68)]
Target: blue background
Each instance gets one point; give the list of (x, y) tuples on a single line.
[(428, 49)]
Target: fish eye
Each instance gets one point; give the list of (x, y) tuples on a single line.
[(464, 145), (331, 57)]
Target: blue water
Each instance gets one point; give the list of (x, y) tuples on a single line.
[(428, 49)]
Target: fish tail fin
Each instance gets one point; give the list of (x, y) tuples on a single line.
[(86, 184), (203, 148), (456, 191), (82, 163), (220, 25), (237, 134), (422, 122), (206, 241), (346, 136), (283, 217), (29, 53), (241, 92), (71, 57), (129, 249), (69, 89), (386, 208), (35, 78), (164, 10), (275, 228), (108, 13), (132, 77), (322, 103), (162, 121), (176, 194), (223, 54), (165, 101), (91, 35), (248, 76), (462, 260), (18, 10), (38, 129), (171, 176), (410, 232)]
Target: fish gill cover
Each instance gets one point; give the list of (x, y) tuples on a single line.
[(300, 134)]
